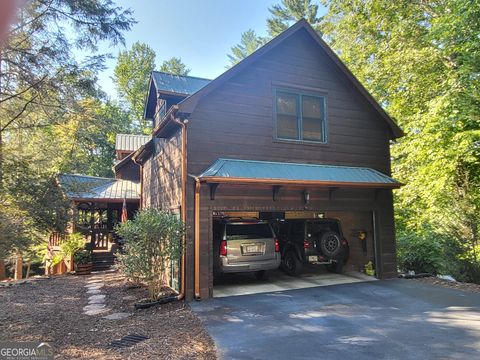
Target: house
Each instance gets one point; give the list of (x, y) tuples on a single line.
[(98, 203), (289, 130)]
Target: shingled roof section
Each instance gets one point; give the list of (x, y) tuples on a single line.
[(129, 142), (83, 187), (177, 84)]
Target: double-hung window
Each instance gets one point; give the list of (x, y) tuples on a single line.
[(300, 116)]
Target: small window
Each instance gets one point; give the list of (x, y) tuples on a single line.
[(300, 116)]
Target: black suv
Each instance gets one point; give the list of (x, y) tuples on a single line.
[(315, 241)]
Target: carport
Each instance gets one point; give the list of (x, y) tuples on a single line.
[(361, 198)]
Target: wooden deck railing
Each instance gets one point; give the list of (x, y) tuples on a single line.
[(56, 238)]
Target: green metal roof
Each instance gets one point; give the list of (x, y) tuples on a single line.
[(281, 171), (178, 84), (83, 187)]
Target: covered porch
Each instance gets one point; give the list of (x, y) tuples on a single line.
[(99, 204)]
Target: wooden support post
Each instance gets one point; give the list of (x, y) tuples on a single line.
[(3, 274), (18, 267)]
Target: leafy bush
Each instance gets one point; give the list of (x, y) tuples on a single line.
[(152, 240), (74, 242), (82, 257), (420, 253)]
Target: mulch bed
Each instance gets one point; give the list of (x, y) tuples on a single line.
[(51, 310), (475, 288)]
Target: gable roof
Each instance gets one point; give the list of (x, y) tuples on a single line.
[(130, 142), (189, 104), (177, 84), (246, 171), (84, 187)]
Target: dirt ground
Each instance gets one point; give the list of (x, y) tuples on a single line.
[(51, 310), (451, 284)]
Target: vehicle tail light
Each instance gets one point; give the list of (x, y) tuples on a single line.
[(344, 242), (277, 247), (306, 244), (223, 248)]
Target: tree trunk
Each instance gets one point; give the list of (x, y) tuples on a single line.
[(27, 275), (3, 274), (18, 267)]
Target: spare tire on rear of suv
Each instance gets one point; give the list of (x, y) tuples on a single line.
[(330, 243)]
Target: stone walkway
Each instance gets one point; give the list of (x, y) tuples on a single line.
[(96, 300)]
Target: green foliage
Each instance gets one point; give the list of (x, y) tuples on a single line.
[(82, 257), (288, 12), (73, 243), (422, 254), (249, 42), (174, 66), (131, 75), (152, 240), (47, 121), (421, 61), (282, 16)]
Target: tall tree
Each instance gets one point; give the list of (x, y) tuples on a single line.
[(131, 75), (282, 16), (286, 13), (40, 78), (42, 86), (249, 42), (422, 61), (175, 66)]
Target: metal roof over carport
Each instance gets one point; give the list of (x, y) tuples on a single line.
[(287, 173)]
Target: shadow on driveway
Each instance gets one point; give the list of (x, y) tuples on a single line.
[(392, 319)]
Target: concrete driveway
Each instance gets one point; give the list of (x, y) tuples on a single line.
[(393, 319)]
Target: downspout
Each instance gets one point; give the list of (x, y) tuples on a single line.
[(184, 198), (198, 185)]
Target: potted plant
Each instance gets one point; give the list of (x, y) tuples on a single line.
[(83, 262)]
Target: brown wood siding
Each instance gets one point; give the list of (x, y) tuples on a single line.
[(162, 174), (129, 171), (354, 208), (236, 121)]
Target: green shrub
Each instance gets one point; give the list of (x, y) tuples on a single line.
[(152, 240), (82, 257), (420, 253)]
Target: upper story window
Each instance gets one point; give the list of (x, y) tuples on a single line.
[(300, 116)]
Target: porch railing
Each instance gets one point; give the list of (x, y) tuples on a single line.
[(56, 238)]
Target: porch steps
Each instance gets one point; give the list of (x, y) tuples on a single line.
[(102, 260)]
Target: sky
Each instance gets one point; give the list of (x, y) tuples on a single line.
[(200, 32)]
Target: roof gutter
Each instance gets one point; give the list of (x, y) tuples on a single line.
[(344, 184)]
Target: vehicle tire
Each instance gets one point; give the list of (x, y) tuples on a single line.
[(259, 275), (336, 267), (330, 244), (292, 264)]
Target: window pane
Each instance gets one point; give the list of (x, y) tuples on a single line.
[(312, 129), (312, 106), (287, 127), (312, 111), (286, 104)]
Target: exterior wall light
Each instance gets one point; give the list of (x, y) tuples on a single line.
[(306, 197)]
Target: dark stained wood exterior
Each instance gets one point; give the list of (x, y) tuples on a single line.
[(162, 174), (128, 171), (236, 120)]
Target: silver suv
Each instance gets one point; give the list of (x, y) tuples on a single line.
[(244, 245)]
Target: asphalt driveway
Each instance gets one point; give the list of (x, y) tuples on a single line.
[(393, 319)]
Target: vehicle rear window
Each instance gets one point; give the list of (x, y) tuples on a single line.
[(248, 231), (321, 227)]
